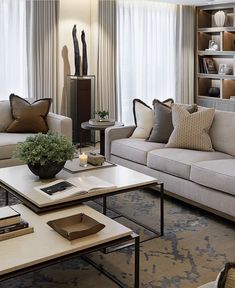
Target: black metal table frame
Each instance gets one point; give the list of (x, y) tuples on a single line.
[(57, 260), (40, 210)]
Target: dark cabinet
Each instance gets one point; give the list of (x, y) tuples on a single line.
[(81, 105)]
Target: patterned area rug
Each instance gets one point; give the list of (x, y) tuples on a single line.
[(194, 248)]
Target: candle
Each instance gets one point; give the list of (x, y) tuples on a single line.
[(83, 160)]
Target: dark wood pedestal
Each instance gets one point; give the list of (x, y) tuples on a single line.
[(81, 105)]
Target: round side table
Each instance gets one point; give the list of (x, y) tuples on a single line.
[(101, 128)]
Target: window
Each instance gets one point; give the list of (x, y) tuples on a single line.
[(13, 49), (146, 53)]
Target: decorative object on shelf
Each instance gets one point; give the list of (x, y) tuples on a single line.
[(220, 18), (84, 54), (225, 69), (209, 65), (212, 46), (95, 159), (83, 160), (76, 51), (102, 114), (45, 154), (214, 92)]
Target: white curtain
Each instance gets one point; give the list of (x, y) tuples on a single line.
[(146, 53), (185, 54), (106, 78), (42, 49), (13, 52)]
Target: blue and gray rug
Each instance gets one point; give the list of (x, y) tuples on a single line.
[(194, 248)]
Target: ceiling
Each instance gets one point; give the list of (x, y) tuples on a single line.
[(197, 2)]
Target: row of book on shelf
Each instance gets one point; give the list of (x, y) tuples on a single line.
[(207, 65), (11, 224)]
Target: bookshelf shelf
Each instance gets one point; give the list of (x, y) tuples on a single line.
[(220, 60)]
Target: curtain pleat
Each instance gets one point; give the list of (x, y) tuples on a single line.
[(42, 49), (106, 77), (185, 54)]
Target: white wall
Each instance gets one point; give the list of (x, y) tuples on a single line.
[(83, 13)]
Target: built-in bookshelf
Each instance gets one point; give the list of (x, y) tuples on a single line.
[(215, 58)]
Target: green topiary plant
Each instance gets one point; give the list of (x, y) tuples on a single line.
[(45, 149), (102, 114)]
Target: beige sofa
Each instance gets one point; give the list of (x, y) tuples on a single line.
[(8, 141), (205, 179)]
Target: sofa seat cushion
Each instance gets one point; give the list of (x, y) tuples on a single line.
[(133, 149), (178, 162), (216, 174), (8, 143)]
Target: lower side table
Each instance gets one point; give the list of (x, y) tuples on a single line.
[(101, 128)]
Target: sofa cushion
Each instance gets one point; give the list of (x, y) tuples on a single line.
[(28, 118), (5, 115), (8, 143), (222, 132), (133, 149), (163, 126), (216, 174), (178, 162), (143, 116), (191, 131)]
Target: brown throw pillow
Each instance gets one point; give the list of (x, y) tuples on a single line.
[(28, 118), (162, 121)]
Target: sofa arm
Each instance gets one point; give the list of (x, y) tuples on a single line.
[(114, 133), (60, 124)]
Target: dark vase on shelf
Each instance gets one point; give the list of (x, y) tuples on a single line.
[(46, 171), (214, 92)]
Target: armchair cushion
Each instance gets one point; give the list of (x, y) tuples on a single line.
[(28, 118)]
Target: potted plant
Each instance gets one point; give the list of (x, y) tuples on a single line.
[(45, 154), (102, 115)]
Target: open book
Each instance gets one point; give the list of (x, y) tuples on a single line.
[(73, 186)]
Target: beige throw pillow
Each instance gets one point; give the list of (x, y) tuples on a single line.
[(191, 131), (144, 118)]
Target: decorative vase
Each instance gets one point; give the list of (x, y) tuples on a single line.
[(220, 18), (46, 171), (214, 92)]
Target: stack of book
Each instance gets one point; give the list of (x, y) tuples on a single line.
[(11, 224)]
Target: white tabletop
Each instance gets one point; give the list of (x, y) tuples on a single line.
[(46, 244), (21, 180)]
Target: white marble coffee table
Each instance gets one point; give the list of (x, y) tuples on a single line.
[(18, 255), (19, 181)]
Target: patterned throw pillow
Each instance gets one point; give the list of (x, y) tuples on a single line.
[(143, 116), (163, 126), (226, 278), (28, 118), (191, 131)]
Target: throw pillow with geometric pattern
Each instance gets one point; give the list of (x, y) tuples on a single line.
[(191, 131)]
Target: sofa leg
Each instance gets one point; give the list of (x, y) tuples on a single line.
[(162, 208)]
